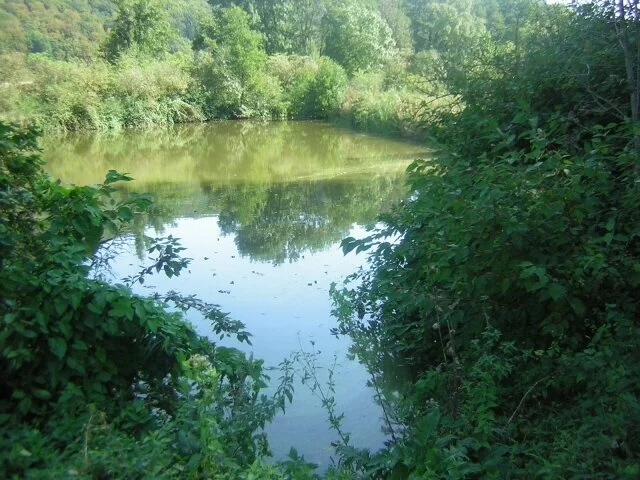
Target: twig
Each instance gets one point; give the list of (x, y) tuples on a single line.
[(87, 438), (384, 409), (524, 397)]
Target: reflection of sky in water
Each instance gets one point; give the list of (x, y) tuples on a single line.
[(283, 306)]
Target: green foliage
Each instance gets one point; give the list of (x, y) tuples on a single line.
[(311, 88), (288, 26), (153, 78), (231, 67), (326, 89), (395, 13), (96, 380), (357, 38), (498, 316), (371, 106), (139, 24), (64, 29), (535, 245), (499, 312), (64, 96)]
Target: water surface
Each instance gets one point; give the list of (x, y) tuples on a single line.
[(261, 209)]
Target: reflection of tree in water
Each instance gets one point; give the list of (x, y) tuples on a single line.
[(282, 188), (283, 221), (222, 153), (276, 222)]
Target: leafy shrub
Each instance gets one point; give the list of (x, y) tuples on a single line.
[(312, 88), (325, 90), (537, 249), (97, 381), (231, 68), (369, 106)]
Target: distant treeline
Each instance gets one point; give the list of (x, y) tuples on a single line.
[(95, 64)]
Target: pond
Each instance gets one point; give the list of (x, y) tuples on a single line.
[(261, 209)]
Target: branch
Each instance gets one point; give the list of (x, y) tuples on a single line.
[(603, 102), (523, 399)]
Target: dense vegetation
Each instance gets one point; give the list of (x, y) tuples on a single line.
[(101, 65), (499, 315), (500, 311), (98, 382), (95, 64)]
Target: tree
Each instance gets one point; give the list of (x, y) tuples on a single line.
[(395, 14), (288, 26), (448, 27), (231, 67), (624, 19), (140, 24), (357, 38)]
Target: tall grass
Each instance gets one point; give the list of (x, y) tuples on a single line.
[(137, 91), (62, 96), (370, 106)]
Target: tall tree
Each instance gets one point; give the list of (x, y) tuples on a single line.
[(357, 38), (394, 12), (626, 21), (289, 26), (232, 63), (140, 24)]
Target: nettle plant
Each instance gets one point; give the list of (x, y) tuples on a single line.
[(99, 382)]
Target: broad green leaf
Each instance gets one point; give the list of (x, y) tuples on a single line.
[(578, 306), (58, 346), (41, 394), (557, 291)]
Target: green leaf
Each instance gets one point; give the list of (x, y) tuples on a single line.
[(349, 244), (610, 224), (75, 298), (125, 214), (58, 346), (60, 304), (25, 405), (64, 327), (41, 394), (76, 365), (557, 291), (122, 308), (113, 176), (578, 306), (18, 394), (80, 345)]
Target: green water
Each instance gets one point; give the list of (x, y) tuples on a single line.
[(261, 209)]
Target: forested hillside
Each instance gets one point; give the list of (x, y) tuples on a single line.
[(62, 29), (96, 64), (498, 315)]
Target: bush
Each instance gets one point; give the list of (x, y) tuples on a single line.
[(230, 68), (509, 301), (97, 381), (368, 106), (325, 90), (312, 88), (62, 96)]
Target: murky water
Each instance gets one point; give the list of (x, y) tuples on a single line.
[(261, 209)]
